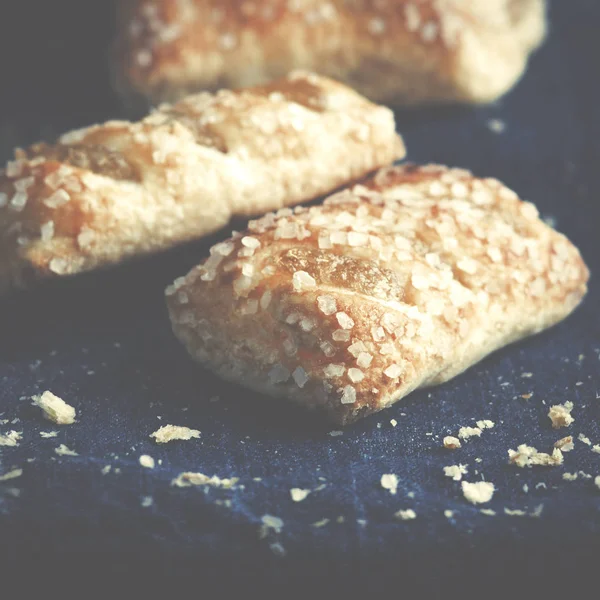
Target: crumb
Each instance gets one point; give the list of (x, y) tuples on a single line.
[(12, 438), (320, 487), (527, 396), (189, 479), (478, 460), (335, 433), (393, 422), (340, 519), (528, 456), (584, 475), (515, 513), (525, 488), (527, 375), (496, 125), (270, 523), (487, 511), (62, 450), (584, 439), (147, 501), (147, 461), (597, 481), (569, 476), (257, 479), (378, 425), (168, 433), (465, 433), (298, 494), (541, 484), (565, 444), (455, 471), (55, 409), (389, 481), (48, 434), (451, 442), (448, 514), (411, 494), (596, 449), (277, 549), (105, 470), (3, 421), (478, 493), (320, 523), (537, 511), (361, 522), (406, 515), (11, 474), (485, 424), (560, 415)]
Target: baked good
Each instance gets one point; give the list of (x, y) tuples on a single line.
[(401, 282), (400, 51), (122, 189)]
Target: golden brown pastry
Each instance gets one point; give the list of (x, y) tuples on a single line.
[(122, 189), (399, 283), (400, 51)]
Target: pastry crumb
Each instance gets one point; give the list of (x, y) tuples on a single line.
[(62, 450), (496, 125), (485, 424), (560, 415), (464, 433), (565, 444), (455, 471), (584, 439), (105, 470), (147, 461), (448, 514), (487, 511), (12, 438), (48, 434), (393, 422), (541, 484), (270, 523), (188, 479), (597, 481), (320, 523), (389, 481), (528, 456), (569, 476), (11, 474), (479, 492), (406, 515), (168, 433), (596, 448), (298, 494), (147, 501), (335, 433), (55, 409), (517, 512), (451, 442), (277, 549)]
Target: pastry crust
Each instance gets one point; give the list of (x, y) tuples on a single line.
[(122, 189), (401, 282), (400, 51)]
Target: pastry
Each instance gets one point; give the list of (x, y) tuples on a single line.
[(394, 51), (121, 189), (400, 282)]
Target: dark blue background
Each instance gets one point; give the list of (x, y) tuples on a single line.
[(103, 343)]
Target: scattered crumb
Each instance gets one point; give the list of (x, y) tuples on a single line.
[(485, 424), (584, 439), (406, 515), (479, 492), (335, 433), (257, 479), (55, 409), (11, 474), (565, 444), (389, 481), (560, 415), (584, 475), (596, 449), (541, 484), (298, 494), (487, 511), (340, 519), (189, 479), (451, 442), (105, 470), (361, 522), (464, 433), (528, 456), (525, 488), (455, 471), (320, 487), (448, 514), (12, 438), (569, 476), (478, 460), (167, 433), (527, 396), (378, 425), (147, 501), (393, 422), (270, 523), (48, 434), (277, 549), (496, 125), (320, 523), (537, 511), (597, 481), (62, 450), (147, 461), (527, 375), (3, 421), (515, 513)]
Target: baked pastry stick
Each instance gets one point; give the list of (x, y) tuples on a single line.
[(399, 283), (400, 51), (122, 189)]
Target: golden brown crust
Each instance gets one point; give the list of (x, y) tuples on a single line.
[(399, 283), (120, 189), (406, 51)]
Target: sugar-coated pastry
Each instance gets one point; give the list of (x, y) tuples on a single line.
[(121, 189), (398, 283), (400, 51)]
